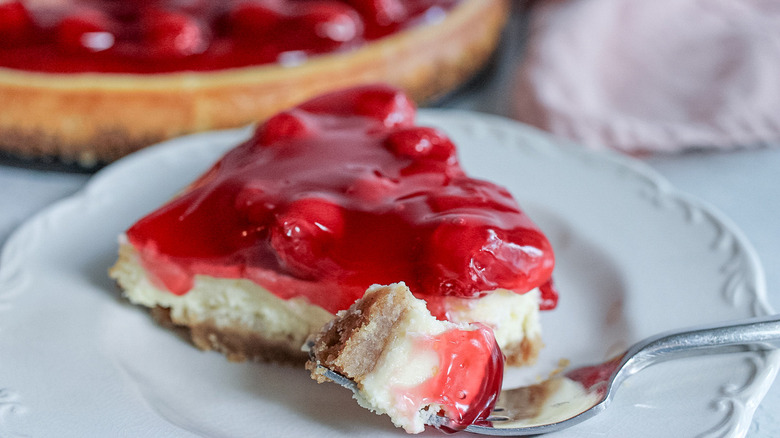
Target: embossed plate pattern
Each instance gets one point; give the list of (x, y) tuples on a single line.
[(635, 257)]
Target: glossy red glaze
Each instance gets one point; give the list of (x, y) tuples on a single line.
[(165, 36), (594, 378), (16, 24), (338, 194), (471, 371), (549, 296)]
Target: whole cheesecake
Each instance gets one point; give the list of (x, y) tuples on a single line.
[(325, 200), (92, 80)]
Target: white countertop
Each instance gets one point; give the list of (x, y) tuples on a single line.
[(743, 185)]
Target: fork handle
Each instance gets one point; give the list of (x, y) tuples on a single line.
[(759, 333)]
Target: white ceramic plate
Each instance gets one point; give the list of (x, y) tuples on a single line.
[(635, 257)]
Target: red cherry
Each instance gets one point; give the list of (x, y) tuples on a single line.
[(16, 24), (253, 201), (392, 107), (384, 103), (250, 19), (465, 257), (86, 31), (421, 142), (447, 267), (471, 371), (474, 195), (302, 233), (373, 188), (381, 12), (331, 21), (286, 125), (174, 34), (325, 215)]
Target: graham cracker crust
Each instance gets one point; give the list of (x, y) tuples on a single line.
[(237, 344), (353, 342)]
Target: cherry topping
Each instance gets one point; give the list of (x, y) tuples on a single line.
[(372, 188), (421, 142), (449, 266), (252, 200), (254, 19), (310, 27), (319, 204), (332, 21), (467, 255), (381, 12), (16, 25), (302, 233), (394, 109), (173, 34), (475, 195), (549, 299), (471, 371), (386, 104), (162, 36), (286, 125), (86, 31)]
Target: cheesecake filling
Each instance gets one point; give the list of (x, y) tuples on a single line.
[(222, 302), (512, 317), (242, 304)]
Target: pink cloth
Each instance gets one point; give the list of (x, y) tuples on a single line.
[(654, 75)]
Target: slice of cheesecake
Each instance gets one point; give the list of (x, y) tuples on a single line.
[(324, 200)]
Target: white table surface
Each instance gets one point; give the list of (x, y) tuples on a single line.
[(744, 185)]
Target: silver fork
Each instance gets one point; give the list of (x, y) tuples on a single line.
[(595, 385)]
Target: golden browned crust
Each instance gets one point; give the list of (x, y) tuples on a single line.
[(353, 342), (278, 340), (236, 343), (92, 118), (524, 353)]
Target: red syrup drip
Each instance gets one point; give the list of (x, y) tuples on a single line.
[(591, 376), (549, 296), (165, 36), (471, 371), (338, 194)]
